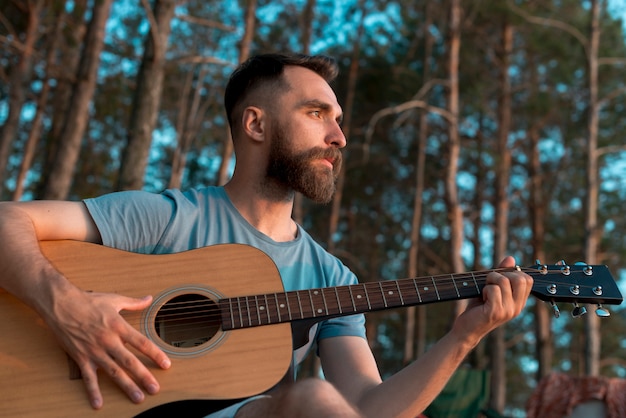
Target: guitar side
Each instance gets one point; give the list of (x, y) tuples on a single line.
[(36, 376)]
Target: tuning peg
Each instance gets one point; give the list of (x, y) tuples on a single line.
[(602, 312), (588, 270), (555, 309), (578, 311)]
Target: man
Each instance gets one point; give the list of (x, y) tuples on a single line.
[(285, 123)]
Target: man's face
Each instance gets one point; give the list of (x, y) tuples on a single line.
[(306, 137), (301, 171)]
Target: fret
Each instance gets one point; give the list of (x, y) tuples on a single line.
[(248, 311), (324, 301), (317, 301), (261, 306), (475, 283), (408, 292), (466, 289), (256, 308), (312, 304), (435, 286), (299, 304), (305, 304), (352, 299), (360, 299), (399, 292), (458, 295), (427, 294), (330, 298), (339, 301), (288, 303), (391, 293), (382, 293), (284, 303), (375, 297), (240, 313), (367, 297), (277, 308), (417, 291), (446, 288), (232, 315), (266, 309)]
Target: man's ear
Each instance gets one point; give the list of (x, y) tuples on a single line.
[(253, 122)]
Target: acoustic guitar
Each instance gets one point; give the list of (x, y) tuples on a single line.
[(223, 317)]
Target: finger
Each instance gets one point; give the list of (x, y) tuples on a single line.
[(111, 366), (147, 347), (125, 303), (136, 339), (137, 369), (90, 379), (508, 261)]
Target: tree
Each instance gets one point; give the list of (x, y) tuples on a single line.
[(147, 96), (244, 54), (454, 210), (58, 183), (501, 230), (19, 76)]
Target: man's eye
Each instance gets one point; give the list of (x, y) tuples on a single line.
[(316, 113)]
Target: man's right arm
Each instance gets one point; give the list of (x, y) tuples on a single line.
[(87, 325), (25, 272)]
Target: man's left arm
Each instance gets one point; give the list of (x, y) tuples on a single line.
[(349, 364)]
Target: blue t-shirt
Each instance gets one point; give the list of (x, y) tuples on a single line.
[(175, 221)]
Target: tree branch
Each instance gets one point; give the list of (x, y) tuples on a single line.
[(609, 149), (207, 23), (411, 104), (552, 23)]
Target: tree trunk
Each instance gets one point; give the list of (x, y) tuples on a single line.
[(416, 316), (59, 183), (244, 54), (503, 167), (17, 82), (65, 70), (182, 121), (455, 213), (592, 323), (147, 97), (308, 14), (35, 132), (544, 348)]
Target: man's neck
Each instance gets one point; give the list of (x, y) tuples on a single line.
[(268, 215)]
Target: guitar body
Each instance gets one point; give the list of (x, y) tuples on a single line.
[(37, 378)]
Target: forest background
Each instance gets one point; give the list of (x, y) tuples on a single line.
[(475, 129)]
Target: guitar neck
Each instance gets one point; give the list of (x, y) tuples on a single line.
[(324, 303), (554, 283)]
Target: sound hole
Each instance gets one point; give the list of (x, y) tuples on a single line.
[(187, 320)]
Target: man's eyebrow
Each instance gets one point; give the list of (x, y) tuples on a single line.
[(318, 104)]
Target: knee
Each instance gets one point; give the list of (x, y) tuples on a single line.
[(317, 397)]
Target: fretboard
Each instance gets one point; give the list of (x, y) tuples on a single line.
[(324, 303)]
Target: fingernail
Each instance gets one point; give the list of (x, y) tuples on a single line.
[(166, 363), (137, 396), (96, 403), (152, 389)]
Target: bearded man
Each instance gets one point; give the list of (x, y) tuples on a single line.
[(285, 123)]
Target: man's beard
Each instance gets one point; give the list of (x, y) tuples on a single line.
[(297, 171)]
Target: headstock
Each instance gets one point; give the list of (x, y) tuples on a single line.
[(577, 284)]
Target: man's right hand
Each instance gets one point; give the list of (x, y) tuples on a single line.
[(92, 331)]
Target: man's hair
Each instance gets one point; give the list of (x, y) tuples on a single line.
[(267, 69)]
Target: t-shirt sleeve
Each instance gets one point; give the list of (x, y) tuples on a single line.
[(131, 220)]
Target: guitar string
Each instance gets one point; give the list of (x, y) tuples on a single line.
[(443, 287), (446, 284)]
